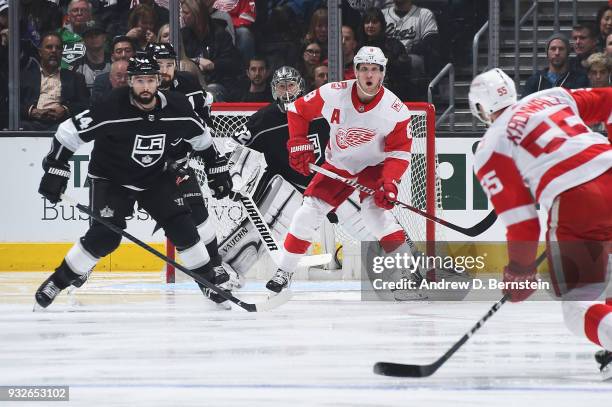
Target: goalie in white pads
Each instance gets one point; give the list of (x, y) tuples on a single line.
[(540, 150), (369, 142)]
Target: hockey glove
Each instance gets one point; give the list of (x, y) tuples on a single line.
[(177, 169), (55, 180), (301, 154), (385, 194), (218, 177), (516, 274)]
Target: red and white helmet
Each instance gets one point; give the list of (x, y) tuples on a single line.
[(370, 55), (490, 92)]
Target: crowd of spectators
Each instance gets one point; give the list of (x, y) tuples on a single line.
[(232, 46)]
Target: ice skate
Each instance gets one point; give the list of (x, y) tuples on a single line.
[(280, 280), (604, 358), (220, 278), (51, 287)]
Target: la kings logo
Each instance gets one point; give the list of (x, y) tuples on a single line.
[(72, 52), (148, 149)]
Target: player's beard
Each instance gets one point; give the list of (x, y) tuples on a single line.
[(144, 98), (166, 81)]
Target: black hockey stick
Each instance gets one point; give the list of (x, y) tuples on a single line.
[(473, 231), (271, 303), (402, 370)]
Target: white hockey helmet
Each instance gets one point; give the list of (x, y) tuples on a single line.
[(490, 92), (370, 55)]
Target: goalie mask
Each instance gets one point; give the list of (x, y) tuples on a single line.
[(490, 92), (287, 85)]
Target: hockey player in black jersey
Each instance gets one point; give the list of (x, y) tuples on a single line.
[(133, 131), (182, 82)]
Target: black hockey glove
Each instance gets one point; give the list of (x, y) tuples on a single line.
[(218, 177), (55, 180), (177, 169)]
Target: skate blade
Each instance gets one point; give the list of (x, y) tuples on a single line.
[(224, 306), (38, 308), (606, 374)]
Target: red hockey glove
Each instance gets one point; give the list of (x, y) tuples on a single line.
[(515, 273), (301, 153), (385, 194)]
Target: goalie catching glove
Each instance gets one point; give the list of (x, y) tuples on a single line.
[(55, 180), (301, 154)]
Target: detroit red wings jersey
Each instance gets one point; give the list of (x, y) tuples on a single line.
[(360, 135), (540, 147)]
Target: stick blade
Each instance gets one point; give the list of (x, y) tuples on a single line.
[(400, 370), (274, 301)]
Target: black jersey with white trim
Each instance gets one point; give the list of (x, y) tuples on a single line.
[(130, 145), (267, 132)]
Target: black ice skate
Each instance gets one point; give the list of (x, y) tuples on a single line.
[(51, 287), (280, 280), (219, 277), (604, 358), (78, 283)]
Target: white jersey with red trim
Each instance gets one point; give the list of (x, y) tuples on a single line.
[(540, 147), (361, 135)]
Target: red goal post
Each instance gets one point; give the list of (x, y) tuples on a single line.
[(420, 186)]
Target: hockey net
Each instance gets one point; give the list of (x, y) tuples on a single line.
[(420, 186)]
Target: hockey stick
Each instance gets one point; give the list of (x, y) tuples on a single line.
[(269, 241), (402, 370), (473, 231), (271, 303)]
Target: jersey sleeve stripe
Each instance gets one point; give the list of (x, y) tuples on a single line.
[(133, 119), (570, 164), (402, 155), (518, 214)]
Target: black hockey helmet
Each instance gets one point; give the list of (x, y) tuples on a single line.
[(287, 74), (161, 51), (142, 64)]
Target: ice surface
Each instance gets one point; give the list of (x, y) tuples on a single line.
[(129, 340)]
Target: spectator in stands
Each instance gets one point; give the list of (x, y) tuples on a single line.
[(185, 64), (311, 57), (349, 46), (320, 76), (599, 68), (397, 77), (558, 72), (116, 15), (118, 73), (243, 16), (584, 38), (211, 48), (259, 85), (278, 37), (36, 18), (141, 25), (416, 28), (78, 17), (317, 30), (4, 36), (604, 24), (50, 94), (608, 49), (96, 60), (122, 48), (219, 17)]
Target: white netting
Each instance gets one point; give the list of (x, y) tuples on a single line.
[(413, 189)]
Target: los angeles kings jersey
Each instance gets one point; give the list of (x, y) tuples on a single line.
[(540, 147), (130, 145), (361, 135), (267, 131)]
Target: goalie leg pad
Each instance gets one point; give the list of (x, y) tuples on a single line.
[(277, 204), (80, 260), (380, 222), (242, 248)]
